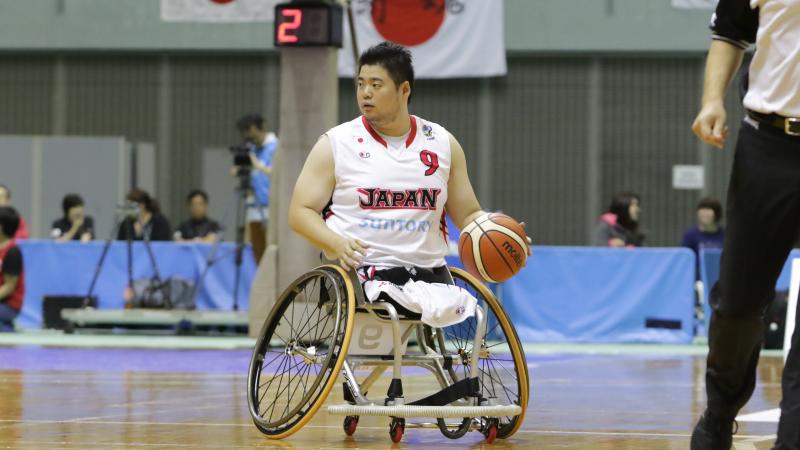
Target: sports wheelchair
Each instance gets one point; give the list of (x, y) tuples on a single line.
[(322, 326)]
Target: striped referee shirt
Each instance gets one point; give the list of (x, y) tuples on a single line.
[(774, 27)]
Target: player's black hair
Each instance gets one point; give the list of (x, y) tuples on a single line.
[(250, 120), (395, 58), (70, 201), (194, 193), (9, 221), (712, 204)]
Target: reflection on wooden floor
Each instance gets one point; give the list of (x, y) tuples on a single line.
[(578, 402)]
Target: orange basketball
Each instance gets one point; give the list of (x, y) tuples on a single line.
[(493, 247)]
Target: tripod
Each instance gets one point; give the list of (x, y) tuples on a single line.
[(239, 199), (127, 218)]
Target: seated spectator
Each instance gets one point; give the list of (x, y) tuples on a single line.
[(75, 225), (148, 224), (12, 275), (5, 200), (199, 227), (708, 233), (619, 226)]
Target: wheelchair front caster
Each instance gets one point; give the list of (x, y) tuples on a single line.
[(350, 424), (490, 432), (396, 429)]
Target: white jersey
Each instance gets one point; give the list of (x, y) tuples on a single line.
[(391, 195)]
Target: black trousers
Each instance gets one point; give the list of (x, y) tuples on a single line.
[(763, 224)]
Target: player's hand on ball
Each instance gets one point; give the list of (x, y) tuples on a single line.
[(530, 241), (349, 252), (710, 126)]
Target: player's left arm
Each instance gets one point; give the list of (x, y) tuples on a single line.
[(462, 204)]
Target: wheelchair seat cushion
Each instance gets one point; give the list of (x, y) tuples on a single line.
[(428, 293)]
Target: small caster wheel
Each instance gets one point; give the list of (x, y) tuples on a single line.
[(396, 429), (490, 433), (350, 424)]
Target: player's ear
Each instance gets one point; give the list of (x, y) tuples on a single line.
[(405, 89)]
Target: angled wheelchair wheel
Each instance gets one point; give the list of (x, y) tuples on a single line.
[(300, 351), (503, 367)]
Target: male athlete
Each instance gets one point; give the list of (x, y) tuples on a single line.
[(374, 191)]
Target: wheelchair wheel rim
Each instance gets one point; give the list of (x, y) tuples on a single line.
[(298, 353), (503, 367)]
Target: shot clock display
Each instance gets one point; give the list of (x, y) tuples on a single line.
[(304, 23)]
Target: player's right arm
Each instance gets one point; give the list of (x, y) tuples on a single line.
[(722, 63), (734, 27), (312, 192)]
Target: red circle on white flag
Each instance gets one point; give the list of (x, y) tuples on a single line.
[(222, 2), (408, 22)]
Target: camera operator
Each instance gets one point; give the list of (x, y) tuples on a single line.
[(261, 146), (144, 220)]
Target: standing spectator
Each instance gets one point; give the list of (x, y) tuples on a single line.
[(619, 226), (199, 227), (708, 233), (262, 149), (75, 225), (5, 200), (149, 224), (12, 275)]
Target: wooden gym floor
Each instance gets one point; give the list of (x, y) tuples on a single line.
[(124, 398)]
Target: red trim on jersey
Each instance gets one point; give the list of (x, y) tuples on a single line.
[(411, 134), (373, 133), (443, 227)]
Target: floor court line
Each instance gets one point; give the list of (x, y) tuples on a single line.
[(749, 438)]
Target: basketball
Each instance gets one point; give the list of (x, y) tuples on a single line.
[(493, 247)]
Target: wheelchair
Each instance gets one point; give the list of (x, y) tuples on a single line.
[(321, 326)]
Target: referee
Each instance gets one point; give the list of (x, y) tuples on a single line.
[(763, 207)]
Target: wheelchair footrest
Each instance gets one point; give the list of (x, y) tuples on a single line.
[(425, 411)]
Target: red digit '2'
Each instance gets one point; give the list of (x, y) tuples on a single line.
[(430, 160), (297, 17)]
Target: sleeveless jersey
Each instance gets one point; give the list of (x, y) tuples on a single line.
[(391, 198)]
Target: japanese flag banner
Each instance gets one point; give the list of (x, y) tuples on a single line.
[(447, 38)]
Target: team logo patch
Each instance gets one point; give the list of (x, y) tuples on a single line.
[(364, 155), (427, 131), (460, 310)]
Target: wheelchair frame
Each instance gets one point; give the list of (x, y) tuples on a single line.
[(462, 398)]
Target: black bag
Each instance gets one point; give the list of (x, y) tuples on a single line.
[(172, 293)]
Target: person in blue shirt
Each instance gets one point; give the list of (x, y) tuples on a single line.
[(263, 145), (708, 233)]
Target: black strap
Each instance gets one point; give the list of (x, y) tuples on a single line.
[(467, 387)]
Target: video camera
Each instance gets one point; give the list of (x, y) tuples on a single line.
[(241, 158)]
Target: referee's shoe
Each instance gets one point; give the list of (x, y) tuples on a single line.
[(713, 433)]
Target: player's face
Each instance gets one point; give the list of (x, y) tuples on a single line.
[(4, 200), (379, 99)]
